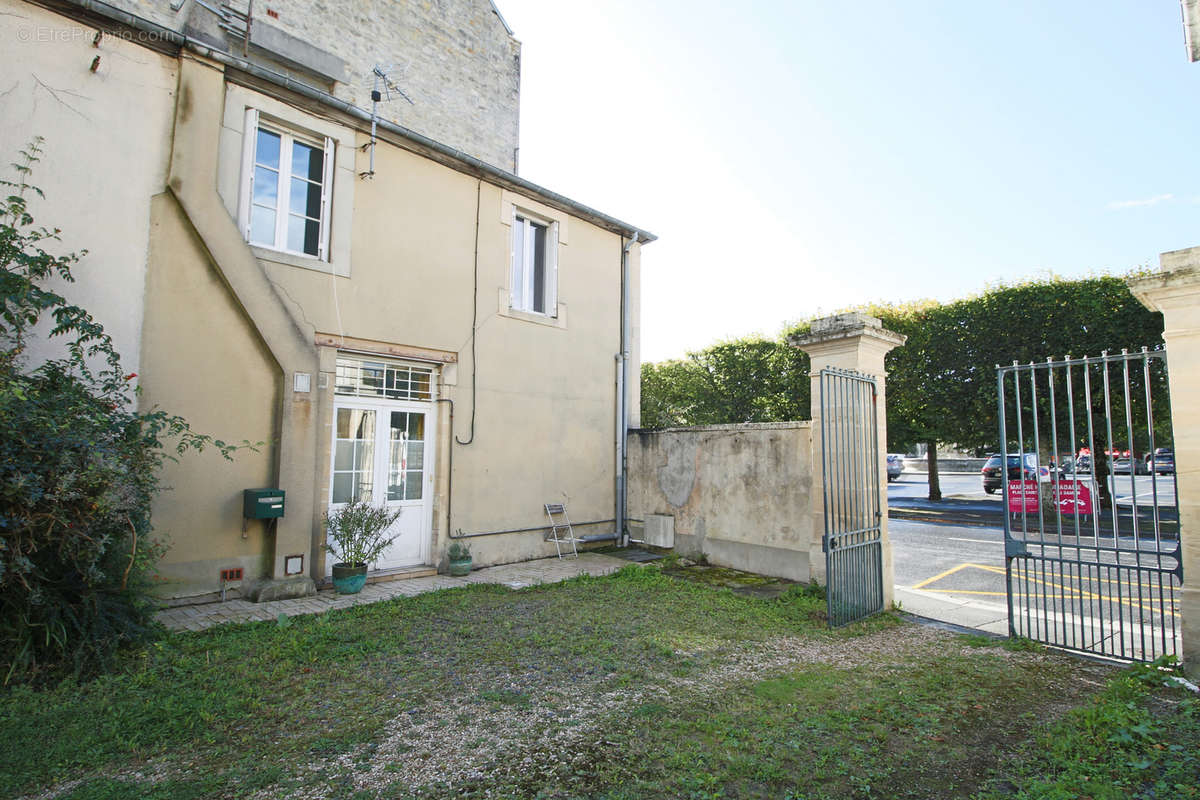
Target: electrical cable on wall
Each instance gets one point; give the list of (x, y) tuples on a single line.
[(474, 314)]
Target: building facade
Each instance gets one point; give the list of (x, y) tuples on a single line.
[(439, 336)]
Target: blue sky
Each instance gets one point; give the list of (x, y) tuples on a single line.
[(797, 158)]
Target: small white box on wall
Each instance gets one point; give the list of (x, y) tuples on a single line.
[(660, 530)]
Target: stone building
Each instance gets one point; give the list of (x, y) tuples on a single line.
[(442, 337), (456, 60)]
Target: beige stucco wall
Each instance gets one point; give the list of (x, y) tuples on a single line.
[(226, 327), (545, 389), (739, 494), (98, 172), (204, 362)]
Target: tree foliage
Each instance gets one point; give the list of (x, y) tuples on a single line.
[(79, 466), (941, 385), (942, 382), (742, 380)]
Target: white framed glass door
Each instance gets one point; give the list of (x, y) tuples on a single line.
[(383, 453)]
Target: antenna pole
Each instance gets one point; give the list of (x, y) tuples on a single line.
[(375, 96)]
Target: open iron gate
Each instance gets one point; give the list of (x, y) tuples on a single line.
[(1092, 556), (850, 464)]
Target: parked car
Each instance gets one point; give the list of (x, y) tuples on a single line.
[(992, 480), (1125, 464), (895, 466), (1164, 464)]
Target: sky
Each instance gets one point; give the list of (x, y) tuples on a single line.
[(798, 158)]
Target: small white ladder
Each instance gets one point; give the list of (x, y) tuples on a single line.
[(559, 527)]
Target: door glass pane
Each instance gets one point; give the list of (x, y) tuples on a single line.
[(395, 486), (343, 483), (412, 486), (416, 427), (416, 456), (343, 457), (356, 423), (354, 455)]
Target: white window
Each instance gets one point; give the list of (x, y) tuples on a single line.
[(534, 265), (287, 177)]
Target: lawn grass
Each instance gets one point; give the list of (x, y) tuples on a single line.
[(634, 685)]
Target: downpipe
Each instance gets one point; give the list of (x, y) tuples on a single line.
[(623, 358)]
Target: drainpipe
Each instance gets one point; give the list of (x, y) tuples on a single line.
[(622, 398)]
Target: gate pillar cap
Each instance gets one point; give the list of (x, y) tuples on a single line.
[(1174, 286), (844, 326)]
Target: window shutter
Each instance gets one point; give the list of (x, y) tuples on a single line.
[(326, 199), (249, 141), (552, 270)]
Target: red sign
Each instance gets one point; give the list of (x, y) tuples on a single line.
[(1074, 497), (1022, 496)]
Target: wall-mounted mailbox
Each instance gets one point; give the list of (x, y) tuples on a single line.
[(262, 503)]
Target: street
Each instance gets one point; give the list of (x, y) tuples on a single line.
[(955, 572)]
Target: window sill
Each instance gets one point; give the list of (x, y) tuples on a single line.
[(505, 310), (303, 262)]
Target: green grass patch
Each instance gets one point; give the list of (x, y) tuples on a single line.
[(636, 685), (1139, 738)]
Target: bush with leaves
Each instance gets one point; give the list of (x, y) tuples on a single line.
[(79, 467)]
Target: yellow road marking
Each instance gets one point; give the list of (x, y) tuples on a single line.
[(939, 576), (1069, 593)]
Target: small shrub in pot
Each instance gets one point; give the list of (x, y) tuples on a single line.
[(459, 556), (356, 535)]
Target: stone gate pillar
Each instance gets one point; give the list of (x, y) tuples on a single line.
[(853, 342), (1175, 291)]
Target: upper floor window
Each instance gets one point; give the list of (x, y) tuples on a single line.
[(534, 265), (286, 189)]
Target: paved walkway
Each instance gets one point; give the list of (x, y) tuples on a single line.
[(528, 573)]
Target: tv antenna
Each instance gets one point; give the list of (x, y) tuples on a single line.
[(382, 90)]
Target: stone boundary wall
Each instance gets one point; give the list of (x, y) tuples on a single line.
[(739, 494)]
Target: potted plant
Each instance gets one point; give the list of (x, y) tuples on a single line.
[(356, 534), (459, 555)]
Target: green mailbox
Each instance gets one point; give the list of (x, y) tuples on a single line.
[(262, 503)]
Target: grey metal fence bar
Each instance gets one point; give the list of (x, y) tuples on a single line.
[(1092, 557), (852, 539)]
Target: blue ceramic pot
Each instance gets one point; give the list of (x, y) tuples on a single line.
[(349, 579)]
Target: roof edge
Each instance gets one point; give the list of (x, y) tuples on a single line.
[(158, 35)]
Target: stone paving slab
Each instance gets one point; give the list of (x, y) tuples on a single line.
[(517, 576)]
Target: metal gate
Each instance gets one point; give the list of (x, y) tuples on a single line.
[(850, 463), (1091, 533)]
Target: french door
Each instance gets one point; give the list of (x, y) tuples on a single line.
[(383, 453)]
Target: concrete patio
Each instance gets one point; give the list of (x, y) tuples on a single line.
[(517, 576)]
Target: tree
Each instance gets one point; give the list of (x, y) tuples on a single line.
[(742, 380), (942, 382), (79, 467)]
